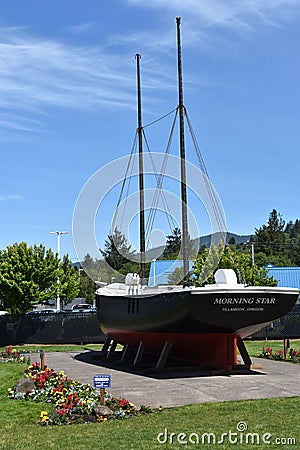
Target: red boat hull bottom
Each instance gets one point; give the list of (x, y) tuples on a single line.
[(215, 350)]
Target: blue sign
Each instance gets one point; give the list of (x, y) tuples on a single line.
[(101, 381)]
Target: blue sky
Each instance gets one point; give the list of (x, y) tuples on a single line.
[(68, 102)]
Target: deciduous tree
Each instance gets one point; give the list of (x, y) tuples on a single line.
[(28, 276)]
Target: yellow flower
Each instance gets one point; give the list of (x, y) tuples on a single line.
[(101, 419), (44, 413)]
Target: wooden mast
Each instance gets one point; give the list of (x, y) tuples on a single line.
[(181, 108), (141, 172)]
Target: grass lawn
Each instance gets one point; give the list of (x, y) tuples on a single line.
[(55, 348), (254, 347), (278, 417)]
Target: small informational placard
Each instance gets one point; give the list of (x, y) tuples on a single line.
[(101, 381)]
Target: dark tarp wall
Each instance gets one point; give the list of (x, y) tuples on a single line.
[(50, 328)]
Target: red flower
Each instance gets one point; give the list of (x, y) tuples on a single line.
[(123, 402)]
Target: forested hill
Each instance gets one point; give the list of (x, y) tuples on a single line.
[(230, 238)]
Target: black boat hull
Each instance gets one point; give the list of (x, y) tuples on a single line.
[(201, 325)]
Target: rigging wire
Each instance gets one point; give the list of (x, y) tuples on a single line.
[(159, 183), (160, 118), (211, 193), (127, 179), (159, 193)]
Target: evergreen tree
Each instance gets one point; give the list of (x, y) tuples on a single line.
[(87, 287), (173, 244), (270, 238), (117, 251), (293, 231), (173, 248)]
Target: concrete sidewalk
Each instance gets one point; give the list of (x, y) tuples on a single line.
[(275, 379)]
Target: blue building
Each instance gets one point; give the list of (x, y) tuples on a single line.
[(286, 276), (161, 269)]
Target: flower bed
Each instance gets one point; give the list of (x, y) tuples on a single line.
[(74, 402), (290, 356), (12, 355)]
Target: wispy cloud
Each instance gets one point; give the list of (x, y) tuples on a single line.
[(213, 24), (240, 15), (209, 26), (38, 73), (51, 72), (9, 197), (82, 28)]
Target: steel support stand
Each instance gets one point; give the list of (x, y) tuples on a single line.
[(126, 354), (161, 362), (105, 347), (111, 350), (139, 354), (243, 352)]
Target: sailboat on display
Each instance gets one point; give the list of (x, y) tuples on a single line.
[(201, 325)]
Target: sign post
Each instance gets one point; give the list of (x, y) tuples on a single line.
[(102, 382), (42, 358)]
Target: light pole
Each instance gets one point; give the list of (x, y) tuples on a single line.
[(58, 233), (252, 254)]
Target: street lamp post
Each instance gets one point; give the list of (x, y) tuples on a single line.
[(58, 233)]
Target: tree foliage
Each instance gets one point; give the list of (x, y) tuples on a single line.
[(205, 267), (173, 244), (277, 242), (270, 238), (87, 287), (28, 276), (173, 248), (176, 277), (117, 251), (68, 280)]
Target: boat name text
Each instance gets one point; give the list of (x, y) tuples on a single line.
[(244, 301)]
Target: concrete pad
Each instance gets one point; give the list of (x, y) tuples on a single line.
[(275, 379)]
